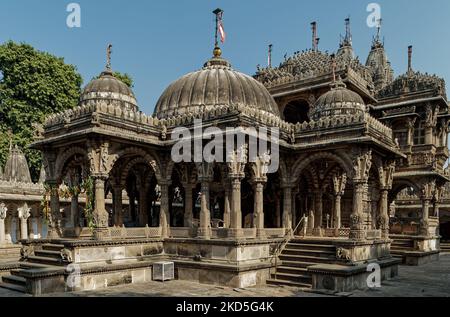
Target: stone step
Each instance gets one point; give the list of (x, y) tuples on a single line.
[(318, 253), (292, 270), (14, 279), (52, 247), (297, 264), (296, 278), (305, 258), (44, 260), (13, 287), (48, 254), (311, 241), (306, 246), (33, 266), (288, 283), (396, 248)]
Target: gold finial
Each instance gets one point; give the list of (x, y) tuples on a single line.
[(108, 56), (217, 52)]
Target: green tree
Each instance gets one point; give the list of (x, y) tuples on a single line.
[(33, 84)]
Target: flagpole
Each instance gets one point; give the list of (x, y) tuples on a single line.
[(216, 38)]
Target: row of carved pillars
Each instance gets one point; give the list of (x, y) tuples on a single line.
[(24, 215)]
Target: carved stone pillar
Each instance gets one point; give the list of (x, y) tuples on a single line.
[(117, 205), (164, 215), (287, 208), (362, 164), (54, 223), (236, 212), (383, 222), (339, 184), (204, 229), (227, 206), (259, 209), (3, 213), (356, 228), (24, 214), (101, 231), (318, 216), (428, 190), (188, 214)]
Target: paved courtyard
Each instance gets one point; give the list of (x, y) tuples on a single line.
[(428, 280)]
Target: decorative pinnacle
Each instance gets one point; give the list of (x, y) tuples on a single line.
[(108, 57)]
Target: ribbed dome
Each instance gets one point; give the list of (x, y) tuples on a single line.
[(16, 168), (216, 84), (108, 88), (339, 101)]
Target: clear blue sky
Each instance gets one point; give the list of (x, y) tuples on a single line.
[(157, 41)]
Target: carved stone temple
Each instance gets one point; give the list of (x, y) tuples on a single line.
[(353, 140)]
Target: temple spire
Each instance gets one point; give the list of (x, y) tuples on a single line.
[(348, 34), (269, 59), (108, 57), (315, 39), (410, 50), (377, 39)]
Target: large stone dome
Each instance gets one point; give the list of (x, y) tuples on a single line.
[(339, 101), (216, 84), (110, 89)]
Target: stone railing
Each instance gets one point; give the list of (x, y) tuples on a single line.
[(197, 113), (219, 233), (22, 186), (373, 234), (135, 233), (334, 122), (412, 228), (249, 233), (182, 232)]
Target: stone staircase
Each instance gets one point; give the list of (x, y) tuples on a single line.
[(445, 246), (48, 259), (400, 245), (296, 257)]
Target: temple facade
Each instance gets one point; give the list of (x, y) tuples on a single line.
[(349, 138)]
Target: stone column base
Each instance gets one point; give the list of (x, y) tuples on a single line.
[(204, 233), (102, 234), (357, 234), (261, 233), (53, 234), (318, 232), (235, 233)]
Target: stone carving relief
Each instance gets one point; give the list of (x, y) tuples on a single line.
[(24, 212), (66, 256), (343, 254), (25, 252), (339, 183), (237, 160), (362, 165), (3, 211), (386, 173)]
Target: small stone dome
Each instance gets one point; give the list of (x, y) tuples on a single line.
[(339, 101), (110, 89), (16, 168), (216, 84)]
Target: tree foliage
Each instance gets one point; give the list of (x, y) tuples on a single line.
[(33, 84)]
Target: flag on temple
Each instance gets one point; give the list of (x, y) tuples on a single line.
[(220, 27)]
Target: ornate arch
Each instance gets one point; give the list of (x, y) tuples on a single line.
[(303, 163), (126, 170), (146, 157), (65, 156)]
